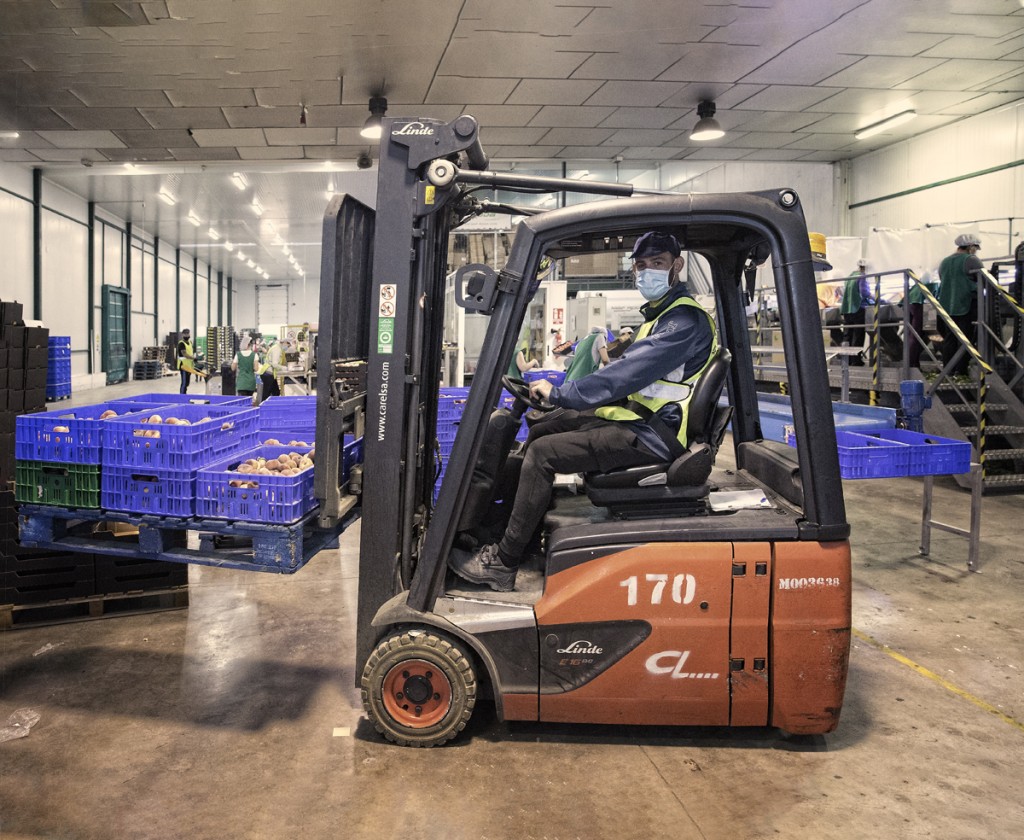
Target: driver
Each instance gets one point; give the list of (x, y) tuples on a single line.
[(626, 414)]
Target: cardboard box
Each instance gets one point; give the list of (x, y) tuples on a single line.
[(593, 265), (37, 337), (16, 379)]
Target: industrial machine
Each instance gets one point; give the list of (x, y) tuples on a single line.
[(675, 594)]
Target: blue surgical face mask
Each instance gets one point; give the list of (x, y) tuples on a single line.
[(652, 283)]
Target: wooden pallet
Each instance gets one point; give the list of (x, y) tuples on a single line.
[(16, 616)]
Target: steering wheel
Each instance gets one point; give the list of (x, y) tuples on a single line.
[(521, 391)]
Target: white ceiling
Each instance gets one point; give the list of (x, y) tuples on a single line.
[(196, 89)]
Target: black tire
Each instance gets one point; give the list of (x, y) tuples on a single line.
[(419, 689)]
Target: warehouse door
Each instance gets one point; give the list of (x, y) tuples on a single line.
[(116, 311), (272, 306)]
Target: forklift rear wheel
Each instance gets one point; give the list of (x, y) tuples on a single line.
[(419, 689)]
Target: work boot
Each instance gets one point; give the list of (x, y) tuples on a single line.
[(484, 567)]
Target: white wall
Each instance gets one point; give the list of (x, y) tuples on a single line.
[(979, 143), (303, 297)]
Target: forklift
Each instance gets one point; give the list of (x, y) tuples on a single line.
[(653, 597)]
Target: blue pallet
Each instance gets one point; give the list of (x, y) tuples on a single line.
[(215, 431), (277, 549), (37, 437)]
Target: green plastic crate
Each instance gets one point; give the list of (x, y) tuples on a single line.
[(60, 484)]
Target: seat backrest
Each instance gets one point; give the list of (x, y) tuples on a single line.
[(704, 401)]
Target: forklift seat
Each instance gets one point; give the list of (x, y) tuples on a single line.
[(683, 480)]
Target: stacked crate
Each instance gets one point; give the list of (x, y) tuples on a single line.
[(220, 346), (58, 368), (153, 354), (24, 353), (150, 465)]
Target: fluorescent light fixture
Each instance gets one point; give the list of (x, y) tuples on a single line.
[(286, 250), (373, 127), (213, 234), (128, 165), (9, 135), (257, 208), (707, 128), (192, 217), (229, 247), (239, 180), (330, 190), (882, 125), (241, 256), (250, 263), (166, 197)]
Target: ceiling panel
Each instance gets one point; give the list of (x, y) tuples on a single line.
[(183, 84)]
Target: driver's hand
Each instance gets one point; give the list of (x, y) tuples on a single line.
[(541, 389)]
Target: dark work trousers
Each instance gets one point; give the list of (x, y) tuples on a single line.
[(186, 377), (853, 335), (950, 343), (270, 386), (572, 442), (916, 345)]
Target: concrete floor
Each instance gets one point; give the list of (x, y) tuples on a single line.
[(237, 718)]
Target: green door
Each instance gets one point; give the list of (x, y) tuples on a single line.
[(116, 312)]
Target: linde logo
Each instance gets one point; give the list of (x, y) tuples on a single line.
[(581, 646), (413, 128)]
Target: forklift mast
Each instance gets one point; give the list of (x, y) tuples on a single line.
[(379, 358)]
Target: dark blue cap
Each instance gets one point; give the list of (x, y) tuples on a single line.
[(655, 242)]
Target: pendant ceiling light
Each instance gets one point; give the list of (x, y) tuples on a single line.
[(707, 128), (372, 127)]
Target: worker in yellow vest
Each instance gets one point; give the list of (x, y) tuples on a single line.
[(185, 357), (625, 414)]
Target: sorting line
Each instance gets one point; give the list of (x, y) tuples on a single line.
[(946, 684)]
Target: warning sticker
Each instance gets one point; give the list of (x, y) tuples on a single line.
[(385, 335)]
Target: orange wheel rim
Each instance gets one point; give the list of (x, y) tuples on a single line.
[(417, 693)]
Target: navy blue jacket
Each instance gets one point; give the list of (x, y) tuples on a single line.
[(682, 336)]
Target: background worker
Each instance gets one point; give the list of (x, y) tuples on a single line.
[(520, 363), (273, 362), (185, 355), (245, 364), (958, 295), (856, 296), (591, 353), (915, 302), (653, 379)]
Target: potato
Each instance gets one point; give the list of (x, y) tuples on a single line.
[(108, 413), (273, 464), (272, 442), (184, 422), (235, 483), (202, 420), (226, 425), (154, 418), (171, 421), (243, 468)]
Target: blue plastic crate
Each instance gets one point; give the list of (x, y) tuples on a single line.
[(148, 490), (288, 413), (214, 431), (58, 353), (863, 456), (555, 377), (59, 341), (59, 371), (285, 437), (59, 390), (276, 498), (929, 454), (41, 436), (155, 399)]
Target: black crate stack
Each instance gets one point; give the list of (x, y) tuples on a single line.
[(220, 346), (44, 580)]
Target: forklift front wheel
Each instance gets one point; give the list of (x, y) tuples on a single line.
[(418, 689)]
